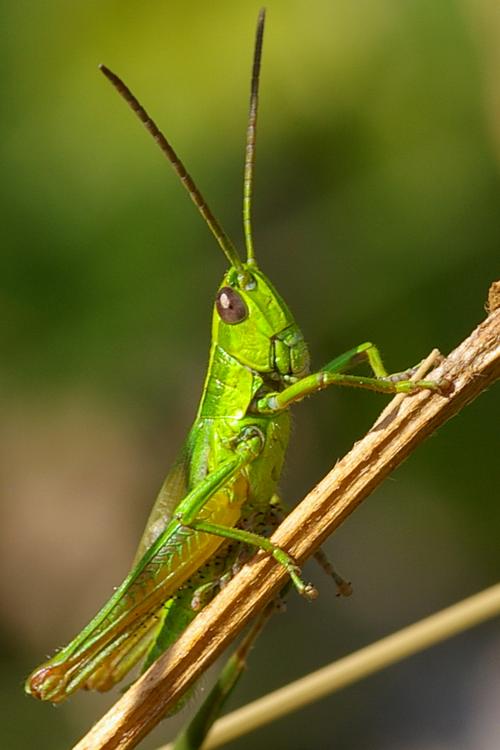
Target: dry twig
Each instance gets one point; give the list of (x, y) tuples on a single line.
[(470, 368), (423, 634)]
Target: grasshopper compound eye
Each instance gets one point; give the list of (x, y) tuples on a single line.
[(230, 306)]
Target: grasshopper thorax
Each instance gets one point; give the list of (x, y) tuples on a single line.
[(253, 324)]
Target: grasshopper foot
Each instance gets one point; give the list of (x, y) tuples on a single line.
[(310, 592)]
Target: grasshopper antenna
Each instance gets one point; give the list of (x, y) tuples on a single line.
[(222, 238), (251, 134)]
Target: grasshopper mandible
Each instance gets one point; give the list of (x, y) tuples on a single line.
[(219, 500)]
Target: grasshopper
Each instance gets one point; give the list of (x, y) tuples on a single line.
[(219, 500)]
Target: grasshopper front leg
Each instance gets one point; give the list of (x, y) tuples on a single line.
[(334, 373)]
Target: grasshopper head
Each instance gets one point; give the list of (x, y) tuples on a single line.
[(253, 324)]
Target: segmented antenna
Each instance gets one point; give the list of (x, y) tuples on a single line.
[(251, 134), (186, 179)]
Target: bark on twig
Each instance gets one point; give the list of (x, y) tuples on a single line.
[(470, 368), (438, 627)]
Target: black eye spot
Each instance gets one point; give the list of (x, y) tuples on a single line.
[(230, 306)]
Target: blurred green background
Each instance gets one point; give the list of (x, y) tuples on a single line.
[(377, 216)]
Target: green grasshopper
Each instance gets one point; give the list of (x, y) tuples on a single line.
[(219, 500)]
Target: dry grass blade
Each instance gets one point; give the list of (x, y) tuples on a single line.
[(470, 368), (406, 642)]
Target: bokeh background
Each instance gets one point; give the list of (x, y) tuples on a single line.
[(376, 214)]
